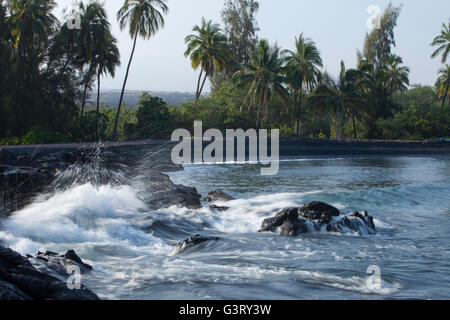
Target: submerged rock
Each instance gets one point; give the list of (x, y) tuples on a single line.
[(71, 255), (218, 208), (218, 195), (318, 216), (192, 241), (57, 264), (20, 280)]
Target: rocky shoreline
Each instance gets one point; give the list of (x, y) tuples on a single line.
[(29, 171), (26, 173)]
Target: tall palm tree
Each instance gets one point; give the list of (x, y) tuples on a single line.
[(302, 71), (106, 60), (443, 83), (340, 96), (143, 18), (443, 43), (207, 49), (397, 75), (265, 76), (93, 35)]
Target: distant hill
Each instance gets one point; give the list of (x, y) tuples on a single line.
[(112, 97)]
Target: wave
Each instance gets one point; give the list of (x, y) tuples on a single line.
[(82, 214)]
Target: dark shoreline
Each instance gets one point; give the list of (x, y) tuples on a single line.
[(288, 147)]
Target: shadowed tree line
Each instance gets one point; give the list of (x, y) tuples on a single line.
[(287, 89), (48, 69)]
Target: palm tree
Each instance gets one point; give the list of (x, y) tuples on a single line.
[(397, 75), (302, 71), (340, 96), (207, 49), (443, 41), (93, 35), (443, 83), (107, 58), (265, 76), (143, 19)]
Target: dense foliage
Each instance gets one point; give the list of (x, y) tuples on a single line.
[(48, 70)]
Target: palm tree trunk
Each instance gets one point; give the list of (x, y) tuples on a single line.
[(354, 128), (98, 104), (98, 94), (86, 84), (198, 86), (446, 93), (123, 88), (258, 116), (293, 112), (83, 103), (299, 110), (338, 124), (203, 84)]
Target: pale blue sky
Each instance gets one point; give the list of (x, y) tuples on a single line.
[(337, 27)]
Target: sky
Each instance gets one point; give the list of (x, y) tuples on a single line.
[(337, 27)]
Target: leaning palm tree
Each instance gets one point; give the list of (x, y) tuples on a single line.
[(443, 43), (396, 74), (265, 76), (340, 96), (144, 18), (207, 49), (443, 83), (302, 71)]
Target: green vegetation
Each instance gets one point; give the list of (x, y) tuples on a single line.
[(47, 69), (207, 49), (143, 19)]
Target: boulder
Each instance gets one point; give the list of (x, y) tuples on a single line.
[(21, 280), (218, 195), (318, 211), (318, 216), (218, 208), (18, 185), (71, 255), (192, 241), (286, 222), (57, 264), (11, 292)]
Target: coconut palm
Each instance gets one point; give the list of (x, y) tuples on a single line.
[(443, 83), (143, 18), (397, 75), (302, 71), (442, 41), (106, 60), (265, 76), (93, 35), (340, 96), (207, 49)]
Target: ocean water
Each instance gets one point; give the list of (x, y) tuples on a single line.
[(132, 248)]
